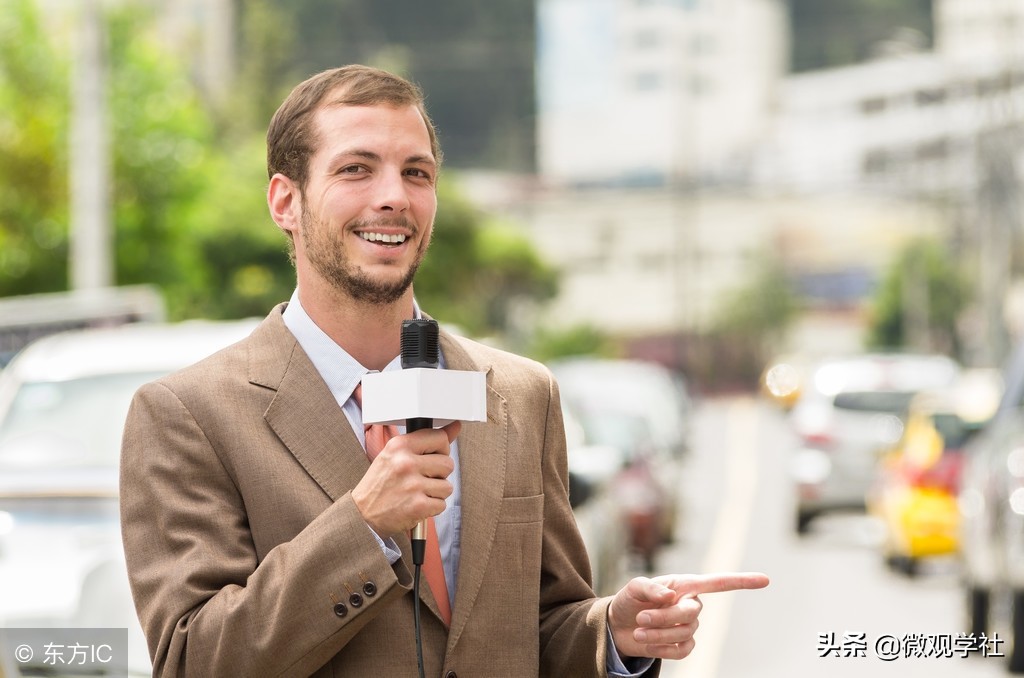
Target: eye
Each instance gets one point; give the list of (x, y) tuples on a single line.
[(352, 169), (418, 173)]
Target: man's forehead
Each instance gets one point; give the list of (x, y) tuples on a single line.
[(333, 140), (371, 111)]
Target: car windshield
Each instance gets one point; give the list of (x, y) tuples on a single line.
[(887, 402), (952, 428), (68, 424), (624, 431)]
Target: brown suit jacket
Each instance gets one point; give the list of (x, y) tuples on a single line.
[(248, 557)]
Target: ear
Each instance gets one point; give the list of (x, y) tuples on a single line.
[(285, 202)]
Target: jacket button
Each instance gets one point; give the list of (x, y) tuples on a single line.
[(451, 674), (340, 609), (370, 589), (355, 600)]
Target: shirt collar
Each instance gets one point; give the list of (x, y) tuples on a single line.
[(340, 371)]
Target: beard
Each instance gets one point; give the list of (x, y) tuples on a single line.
[(325, 248)]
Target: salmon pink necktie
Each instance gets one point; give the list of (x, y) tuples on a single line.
[(377, 436)]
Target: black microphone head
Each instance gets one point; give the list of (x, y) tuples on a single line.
[(420, 347)]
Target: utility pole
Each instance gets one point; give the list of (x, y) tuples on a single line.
[(91, 264)]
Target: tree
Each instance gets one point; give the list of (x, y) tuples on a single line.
[(922, 294), (189, 180), (477, 269), (33, 155), (750, 326), (762, 309)]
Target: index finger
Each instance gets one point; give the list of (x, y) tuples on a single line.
[(695, 584)]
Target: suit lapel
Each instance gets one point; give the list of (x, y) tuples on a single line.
[(482, 454), (307, 419), (303, 413)]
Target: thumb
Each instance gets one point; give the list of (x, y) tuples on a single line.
[(452, 430)]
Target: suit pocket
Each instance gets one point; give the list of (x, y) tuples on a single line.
[(522, 509)]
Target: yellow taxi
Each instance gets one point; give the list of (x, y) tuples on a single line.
[(915, 494)]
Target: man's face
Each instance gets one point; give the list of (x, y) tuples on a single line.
[(368, 207)]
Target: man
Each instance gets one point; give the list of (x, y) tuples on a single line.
[(260, 537)]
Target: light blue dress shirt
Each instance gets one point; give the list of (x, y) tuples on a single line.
[(342, 373)]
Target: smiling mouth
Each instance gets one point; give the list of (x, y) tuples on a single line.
[(389, 239)]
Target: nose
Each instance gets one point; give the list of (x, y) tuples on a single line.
[(391, 195)]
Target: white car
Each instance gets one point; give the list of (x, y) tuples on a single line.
[(63, 403), (851, 411)]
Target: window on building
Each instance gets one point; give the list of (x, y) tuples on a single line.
[(930, 97), (702, 44), (873, 106), (647, 81), (646, 38), (932, 150), (699, 85), (876, 161)]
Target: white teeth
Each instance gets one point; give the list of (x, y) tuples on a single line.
[(396, 238)]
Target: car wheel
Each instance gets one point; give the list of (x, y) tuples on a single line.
[(1016, 663), (979, 601)]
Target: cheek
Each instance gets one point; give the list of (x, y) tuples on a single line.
[(426, 207)]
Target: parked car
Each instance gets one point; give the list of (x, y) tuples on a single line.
[(918, 482), (600, 516), (644, 484), (645, 389), (992, 521), (63, 403), (641, 410), (851, 410)]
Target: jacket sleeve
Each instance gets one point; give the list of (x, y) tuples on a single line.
[(209, 605)]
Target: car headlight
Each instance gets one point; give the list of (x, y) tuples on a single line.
[(6, 523), (811, 466)]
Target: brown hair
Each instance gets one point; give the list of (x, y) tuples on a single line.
[(292, 137)]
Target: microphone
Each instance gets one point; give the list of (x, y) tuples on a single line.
[(420, 348)]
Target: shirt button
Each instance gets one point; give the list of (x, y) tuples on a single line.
[(340, 609), (355, 600), (370, 589)]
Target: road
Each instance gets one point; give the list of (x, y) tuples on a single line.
[(830, 594)]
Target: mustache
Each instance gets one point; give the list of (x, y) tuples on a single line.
[(397, 221)]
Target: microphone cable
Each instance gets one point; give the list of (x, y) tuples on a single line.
[(416, 606)]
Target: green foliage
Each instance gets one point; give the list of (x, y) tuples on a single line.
[(749, 327), (580, 340), (33, 155), (162, 141), (189, 180), (946, 293), (475, 270), (763, 308), (246, 270)]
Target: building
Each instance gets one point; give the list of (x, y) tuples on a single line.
[(647, 92)]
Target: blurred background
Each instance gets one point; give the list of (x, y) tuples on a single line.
[(772, 249)]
